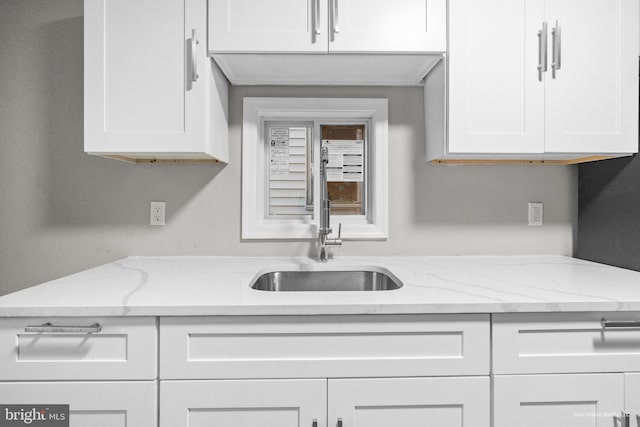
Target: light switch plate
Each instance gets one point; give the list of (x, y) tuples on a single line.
[(535, 214)]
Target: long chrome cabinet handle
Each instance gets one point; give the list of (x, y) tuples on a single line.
[(556, 62), (194, 56), (334, 15), (542, 51), (619, 324), (316, 17), (50, 328)]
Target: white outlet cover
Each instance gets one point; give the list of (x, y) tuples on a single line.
[(157, 213)]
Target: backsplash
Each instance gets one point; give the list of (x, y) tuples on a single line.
[(63, 211)]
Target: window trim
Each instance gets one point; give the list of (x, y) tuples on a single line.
[(256, 111)]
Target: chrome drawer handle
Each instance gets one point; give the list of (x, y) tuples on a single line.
[(50, 328), (315, 422), (618, 324), (339, 422)]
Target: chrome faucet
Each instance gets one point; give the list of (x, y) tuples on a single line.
[(325, 210)]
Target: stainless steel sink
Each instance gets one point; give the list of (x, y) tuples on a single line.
[(310, 281)]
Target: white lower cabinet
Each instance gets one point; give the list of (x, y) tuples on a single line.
[(364, 402), (566, 369), (632, 398), (240, 403), (325, 371), (104, 368), (572, 400), (409, 402), (91, 404)]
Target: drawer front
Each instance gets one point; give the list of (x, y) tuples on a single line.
[(323, 346), (565, 343), (95, 404), (123, 348)]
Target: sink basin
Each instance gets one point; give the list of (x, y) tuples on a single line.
[(311, 281)]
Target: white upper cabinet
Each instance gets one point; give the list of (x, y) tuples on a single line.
[(387, 26), (554, 79), (151, 92), (315, 26), (592, 97), (268, 26)]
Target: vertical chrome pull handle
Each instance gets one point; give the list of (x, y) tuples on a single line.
[(542, 51), (194, 56), (339, 422), (314, 423), (316, 17), (335, 18), (556, 54)]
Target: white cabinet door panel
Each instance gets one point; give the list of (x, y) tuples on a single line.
[(383, 26), (496, 101), (94, 404), (592, 103), (243, 403), (592, 400), (632, 398), (139, 97), (410, 402), (125, 348), (268, 26)]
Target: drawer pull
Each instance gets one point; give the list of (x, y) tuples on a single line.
[(618, 324), (315, 422), (626, 419), (339, 422), (50, 328)]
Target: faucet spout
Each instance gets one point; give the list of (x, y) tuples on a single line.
[(325, 211)]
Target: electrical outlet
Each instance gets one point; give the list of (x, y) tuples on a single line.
[(535, 214), (157, 213)]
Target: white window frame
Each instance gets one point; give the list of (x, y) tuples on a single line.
[(256, 111)]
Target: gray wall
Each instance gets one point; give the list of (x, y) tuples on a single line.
[(62, 211)]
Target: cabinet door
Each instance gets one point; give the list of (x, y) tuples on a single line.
[(95, 404), (268, 26), (592, 102), (410, 402), (140, 96), (632, 398), (558, 400), (243, 403), (384, 26), (496, 98)]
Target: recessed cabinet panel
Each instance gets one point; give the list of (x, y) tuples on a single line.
[(564, 342), (149, 81), (95, 404), (265, 403), (592, 96), (380, 25), (496, 101), (632, 398), (123, 348), (268, 26), (558, 400), (327, 346), (410, 402)]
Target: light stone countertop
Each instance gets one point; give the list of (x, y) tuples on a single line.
[(188, 286)]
